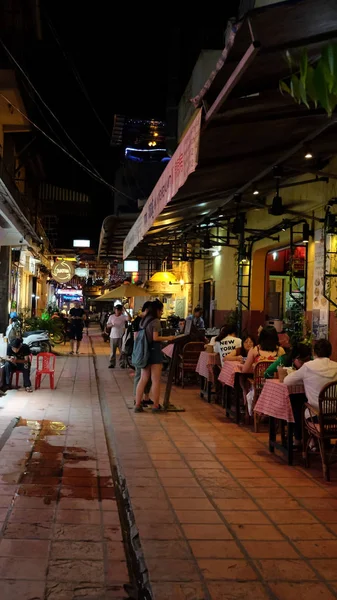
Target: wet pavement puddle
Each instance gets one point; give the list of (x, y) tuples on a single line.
[(51, 468)]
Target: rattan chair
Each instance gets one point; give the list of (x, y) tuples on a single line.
[(188, 360), (258, 382), (321, 426)]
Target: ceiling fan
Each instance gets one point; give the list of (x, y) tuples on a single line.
[(277, 208)]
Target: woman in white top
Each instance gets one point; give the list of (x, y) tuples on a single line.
[(239, 354), (226, 342)]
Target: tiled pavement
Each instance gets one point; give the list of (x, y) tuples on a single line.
[(61, 538), (219, 517)]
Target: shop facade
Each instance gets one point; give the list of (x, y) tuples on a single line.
[(244, 196)]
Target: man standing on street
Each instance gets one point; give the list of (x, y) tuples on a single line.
[(76, 327), (116, 323), (196, 318)]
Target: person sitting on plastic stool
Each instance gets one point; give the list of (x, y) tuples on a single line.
[(18, 359)]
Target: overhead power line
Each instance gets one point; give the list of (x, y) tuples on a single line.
[(74, 69), (91, 173), (22, 71)]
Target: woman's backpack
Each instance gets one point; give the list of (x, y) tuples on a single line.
[(141, 350)]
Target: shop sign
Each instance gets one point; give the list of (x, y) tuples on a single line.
[(183, 162), (82, 272), (93, 291), (32, 265), (62, 272)]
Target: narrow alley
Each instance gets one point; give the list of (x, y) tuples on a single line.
[(100, 503)]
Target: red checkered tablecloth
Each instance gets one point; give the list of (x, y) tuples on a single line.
[(205, 365), (274, 400), (168, 350), (227, 375)]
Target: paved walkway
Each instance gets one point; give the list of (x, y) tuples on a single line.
[(60, 538), (216, 517)]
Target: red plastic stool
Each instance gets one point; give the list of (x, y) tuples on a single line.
[(18, 373), (45, 365)]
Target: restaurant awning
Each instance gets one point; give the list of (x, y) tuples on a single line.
[(114, 230), (248, 126), (123, 291)]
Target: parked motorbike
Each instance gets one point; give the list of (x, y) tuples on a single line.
[(38, 341)]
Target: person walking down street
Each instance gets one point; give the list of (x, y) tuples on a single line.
[(116, 323), (136, 325), (18, 359), (151, 325), (76, 328)]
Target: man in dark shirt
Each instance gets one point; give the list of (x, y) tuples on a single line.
[(76, 327), (18, 360)]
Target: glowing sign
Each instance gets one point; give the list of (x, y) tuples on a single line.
[(131, 266)]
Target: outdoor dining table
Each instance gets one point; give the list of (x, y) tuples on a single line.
[(230, 379), (205, 368), (274, 401)]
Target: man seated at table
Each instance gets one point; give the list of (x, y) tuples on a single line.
[(313, 375), (226, 342)]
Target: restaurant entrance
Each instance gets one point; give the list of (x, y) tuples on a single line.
[(285, 298)]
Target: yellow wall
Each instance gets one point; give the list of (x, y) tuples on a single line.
[(1, 140), (198, 277), (223, 275), (307, 200)]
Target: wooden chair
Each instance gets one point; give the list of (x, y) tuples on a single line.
[(188, 360), (258, 383), (321, 426)]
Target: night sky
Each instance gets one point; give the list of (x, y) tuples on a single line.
[(123, 63)]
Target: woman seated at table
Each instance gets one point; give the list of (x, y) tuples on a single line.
[(226, 342), (239, 354), (296, 357), (268, 348)]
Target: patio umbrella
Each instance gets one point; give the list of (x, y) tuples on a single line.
[(123, 291)]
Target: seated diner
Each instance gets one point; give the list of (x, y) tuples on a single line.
[(227, 342), (239, 354), (313, 375), (299, 354), (268, 348)]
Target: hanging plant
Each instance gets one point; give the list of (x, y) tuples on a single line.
[(313, 85)]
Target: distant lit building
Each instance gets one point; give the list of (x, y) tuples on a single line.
[(143, 157), (64, 212)]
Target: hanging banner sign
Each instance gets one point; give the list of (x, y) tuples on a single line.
[(62, 272), (183, 162), (320, 305)]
